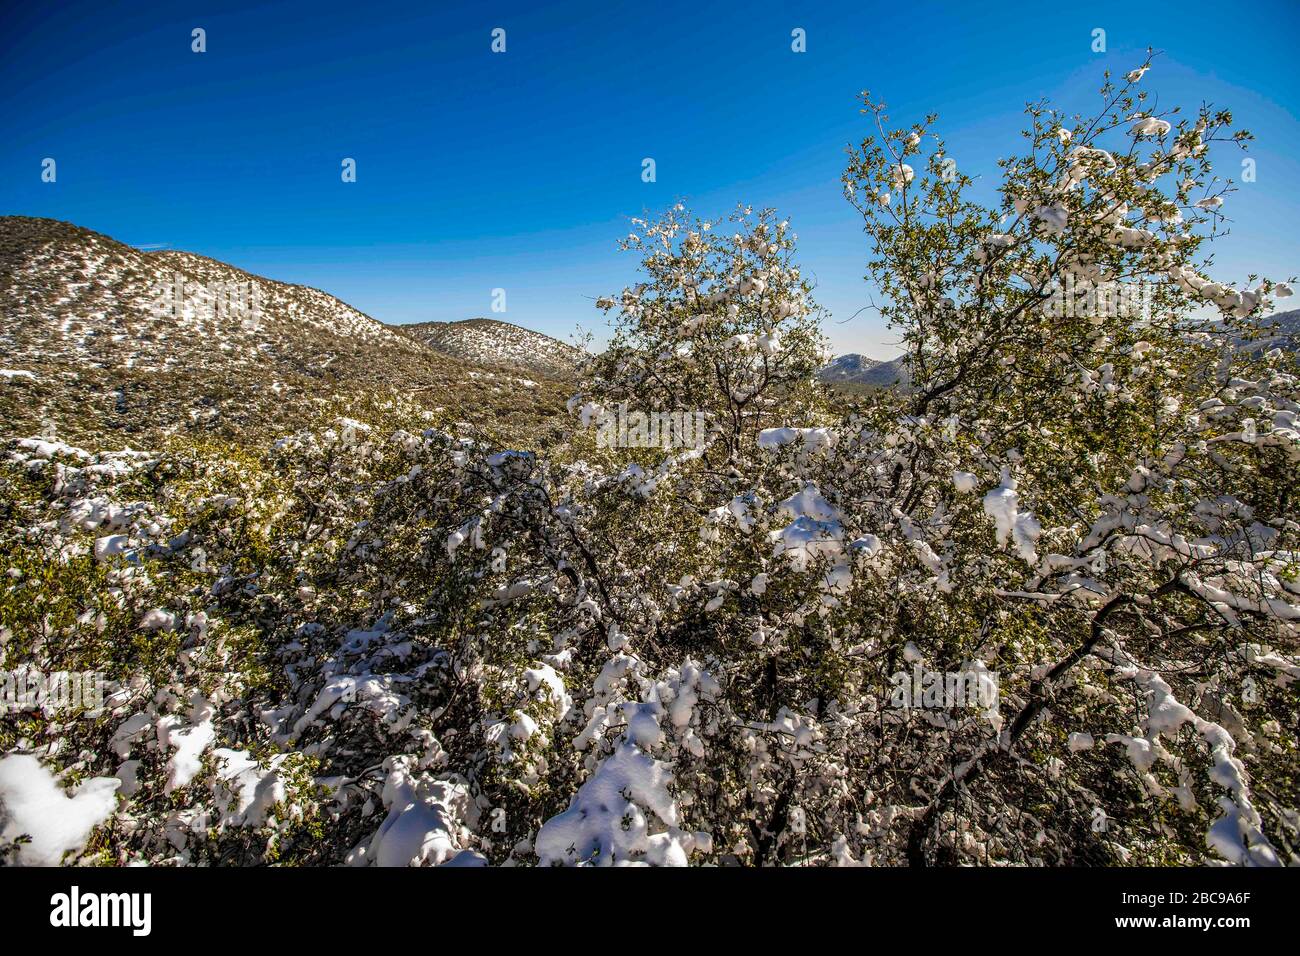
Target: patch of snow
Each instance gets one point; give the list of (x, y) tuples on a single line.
[(58, 821)]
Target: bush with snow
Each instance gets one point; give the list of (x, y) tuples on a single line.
[(382, 642)]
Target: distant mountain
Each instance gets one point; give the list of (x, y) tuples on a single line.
[(1280, 330), (115, 338), (847, 368), (855, 369), (491, 342)]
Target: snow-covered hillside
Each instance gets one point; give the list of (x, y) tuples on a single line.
[(492, 342), (96, 331), (855, 369), (1279, 330)]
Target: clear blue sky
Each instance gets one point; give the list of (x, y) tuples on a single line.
[(478, 170)]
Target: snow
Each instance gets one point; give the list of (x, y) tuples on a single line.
[(110, 546), (769, 343), (625, 814), (190, 742), (900, 175), (1236, 835), (58, 821), (426, 821), (374, 693), (40, 448), (812, 439), (422, 589), (350, 430), (157, 619), (246, 792), (809, 503), (1149, 126), (816, 532), (609, 822), (1021, 528), (544, 681), (90, 514)]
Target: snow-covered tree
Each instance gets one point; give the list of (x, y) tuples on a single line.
[(722, 322), (384, 641)]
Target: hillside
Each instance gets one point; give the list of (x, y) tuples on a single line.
[(848, 367), (853, 369), (1280, 330), (112, 338), (491, 342)]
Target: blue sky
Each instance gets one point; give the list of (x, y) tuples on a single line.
[(520, 170)]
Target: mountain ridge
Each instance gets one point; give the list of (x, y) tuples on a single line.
[(155, 342), (1279, 330), (853, 368), (497, 342)]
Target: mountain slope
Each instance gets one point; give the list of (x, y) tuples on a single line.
[(491, 342), (1280, 330), (847, 368), (855, 369), (159, 342)]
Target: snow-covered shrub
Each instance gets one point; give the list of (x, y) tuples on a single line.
[(385, 641)]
